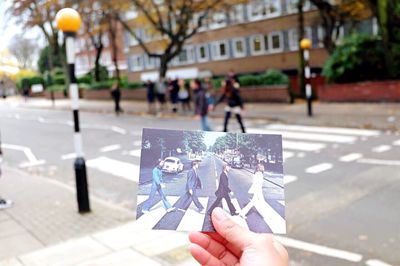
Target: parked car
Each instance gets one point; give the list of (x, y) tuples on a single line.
[(172, 165), (236, 162)]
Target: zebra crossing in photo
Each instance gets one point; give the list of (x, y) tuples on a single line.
[(190, 219)]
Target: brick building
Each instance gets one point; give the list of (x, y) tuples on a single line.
[(250, 38)]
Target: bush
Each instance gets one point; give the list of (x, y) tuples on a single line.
[(87, 78), (359, 58), (36, 80), (250, 80), (59, 79), (101, 85), (274, 77), (132, 86), (56, 88), (217, 82)]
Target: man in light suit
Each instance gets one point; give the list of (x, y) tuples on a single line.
[(223, 191), (192, 184), (156, 186)]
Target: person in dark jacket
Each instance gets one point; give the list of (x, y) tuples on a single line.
[(116, 95), (223, 192), (201, 104), (193, 183), (234, 103), (173, 94), (151, 96)]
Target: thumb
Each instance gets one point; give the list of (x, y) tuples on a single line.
[(230, 230)]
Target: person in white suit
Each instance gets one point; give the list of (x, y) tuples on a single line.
[(256, 189)]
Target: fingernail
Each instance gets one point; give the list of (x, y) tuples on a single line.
[(219, 214)]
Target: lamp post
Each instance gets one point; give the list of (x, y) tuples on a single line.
[(69, 21), (305, 44)]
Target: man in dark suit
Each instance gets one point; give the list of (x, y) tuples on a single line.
[(223, 191), (192, 184)]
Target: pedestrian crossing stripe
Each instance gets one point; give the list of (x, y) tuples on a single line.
[(192, 220)]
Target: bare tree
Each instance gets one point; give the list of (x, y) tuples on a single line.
[(24, 50)]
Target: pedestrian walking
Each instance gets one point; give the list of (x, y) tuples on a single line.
[(256, 189), (201, 104), (233, 77), (173, 94), (234, 104), (193, 183), (223, 191), (151, 96), (116, 95), (4, 203), (184, 95), (157, 186), (161, 88)]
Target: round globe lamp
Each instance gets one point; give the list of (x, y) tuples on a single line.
[(68, 20), (305, 44)]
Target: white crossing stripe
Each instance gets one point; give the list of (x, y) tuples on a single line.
[(282, 202), (319, 168), (150, 219), (68, 156), (274, 221), (350, 157), (137, 143), (135, 153), (302, 146), (141, 198), (381, 148), (379, 162), (122, 169), (307, 136), (287, 155), (119, 130), (376, 263), (110, 148), (330, 130), (287, 179), (193, 220), (396, 143), (318, 249)]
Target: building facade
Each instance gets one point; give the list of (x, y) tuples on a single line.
[(250, 38)]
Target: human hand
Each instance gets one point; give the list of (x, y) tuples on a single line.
[(234, 245)]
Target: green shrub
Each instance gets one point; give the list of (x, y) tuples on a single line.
[(56, 88), (101, 85), (250, 80), (217, 82), (359, 58), (274, 77), (85, 79), (132, 86), (36, 80), (59, 79)]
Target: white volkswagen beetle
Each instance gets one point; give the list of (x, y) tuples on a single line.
[(172, 165)]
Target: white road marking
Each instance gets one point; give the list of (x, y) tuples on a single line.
[(376, 263), (17, 116), (41, 119), (287, 179), (68, 156), (302, 146), (150, 219), (331, 130), (272, 218), (282, 202), (32, 160), (122, 169), (141, 199), (119, 130), (379, 162), (318, 249), (319, 168), (381, 148), (301, 155), (396, 143), (110, 148), (137, 143), (350, 157), (306, 136), (135, 153), (193, 220), (287, 155)]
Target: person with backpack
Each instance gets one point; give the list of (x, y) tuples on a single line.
[(201, 104), (234, 103)]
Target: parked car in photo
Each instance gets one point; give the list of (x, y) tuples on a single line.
[(172, 165), (236, 162)]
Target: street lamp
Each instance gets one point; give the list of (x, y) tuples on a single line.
[(69, 21), (306, 45)]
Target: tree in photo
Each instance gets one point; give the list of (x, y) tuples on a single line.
[(24, 50)]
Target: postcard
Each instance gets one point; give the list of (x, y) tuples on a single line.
[(184, 175)]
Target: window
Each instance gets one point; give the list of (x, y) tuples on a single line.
[(275, 42), (239, 47), (320, 33), (186, 56), (218, 20), (202, 53), (257, 45), (220, 50), (260, 9), (292, 6), (236, 15), (294, 38), (136, 62), (196, 18), (150, 62)]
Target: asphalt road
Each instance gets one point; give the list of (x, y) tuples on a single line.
[(342, 185)]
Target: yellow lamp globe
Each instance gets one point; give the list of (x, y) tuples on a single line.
[(305, 44), (68, 20)]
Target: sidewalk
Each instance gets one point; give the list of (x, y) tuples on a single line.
[(383, 116), (44, 228)]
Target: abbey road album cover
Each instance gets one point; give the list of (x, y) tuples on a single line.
[(184, 175)]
